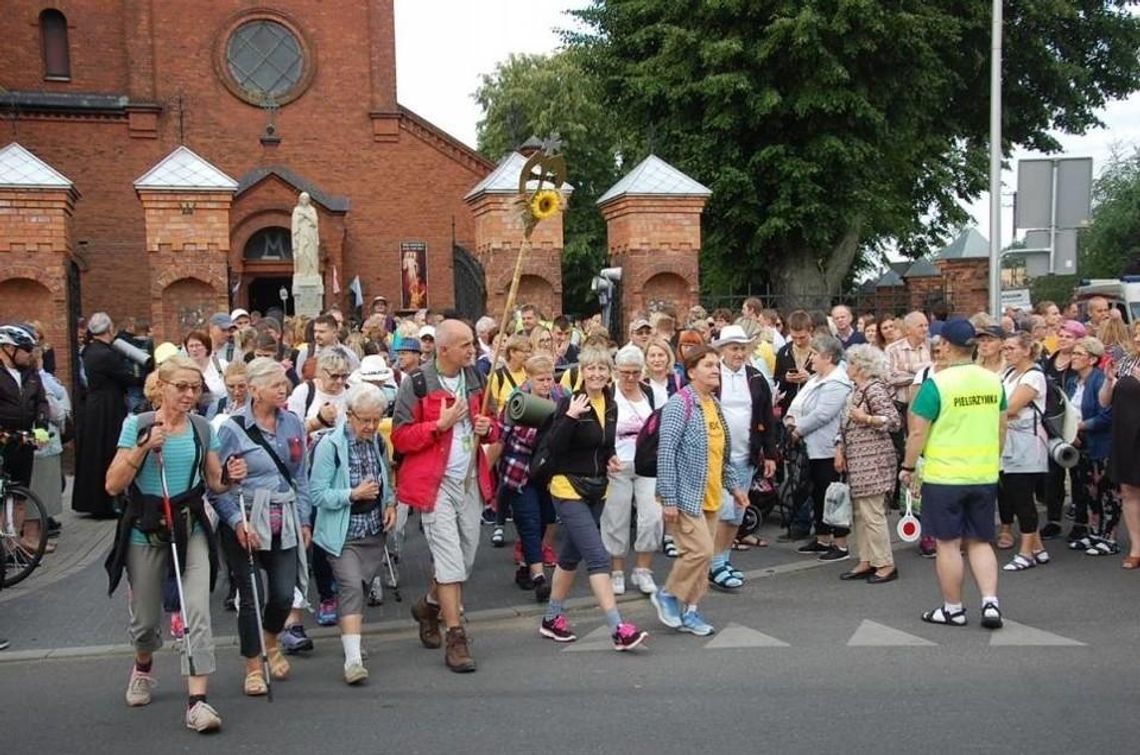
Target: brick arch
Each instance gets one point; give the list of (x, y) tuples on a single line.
[(663, 290), (52, 283), (23, 299), (243, 230), (167, 278), (186, 304), (538, 290)]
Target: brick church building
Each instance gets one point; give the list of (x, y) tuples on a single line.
[(268, 100)]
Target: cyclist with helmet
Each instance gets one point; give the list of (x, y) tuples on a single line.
[(23, 407)]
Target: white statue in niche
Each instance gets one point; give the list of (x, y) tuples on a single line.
[(306, 244)]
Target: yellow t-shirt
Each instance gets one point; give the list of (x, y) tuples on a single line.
[(501, 388), (717, 438), (560, 487), (765, 351)]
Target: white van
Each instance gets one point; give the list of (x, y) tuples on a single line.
[(1122, 293)]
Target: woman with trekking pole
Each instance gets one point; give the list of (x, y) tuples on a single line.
[(165, 459), (267, 521)]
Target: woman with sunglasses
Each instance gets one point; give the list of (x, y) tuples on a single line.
[(275, 523)]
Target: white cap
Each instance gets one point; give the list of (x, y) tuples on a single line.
[(238, 313), (427, 331)]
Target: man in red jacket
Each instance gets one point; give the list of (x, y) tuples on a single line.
[(438, 429)]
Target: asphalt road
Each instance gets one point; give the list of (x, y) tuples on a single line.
[(803, 663)]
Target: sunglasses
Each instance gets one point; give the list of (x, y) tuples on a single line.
[(337, 375)]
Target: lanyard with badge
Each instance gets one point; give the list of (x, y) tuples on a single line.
[(460, 394)]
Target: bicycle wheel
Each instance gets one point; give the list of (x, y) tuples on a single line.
[(20, 557)]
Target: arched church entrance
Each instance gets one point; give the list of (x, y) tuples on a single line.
[(268, 267)]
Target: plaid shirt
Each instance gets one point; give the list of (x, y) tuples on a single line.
[(518, 447), (363, 464), (906, 359)]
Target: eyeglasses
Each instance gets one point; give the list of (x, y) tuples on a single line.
[(630, 373), (1081, 354), (337, 375), (365, 420), (237, 386), (546, 340), (186, 387)]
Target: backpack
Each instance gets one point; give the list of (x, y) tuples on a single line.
[(1060, 417), (649, 439), (202, 431)]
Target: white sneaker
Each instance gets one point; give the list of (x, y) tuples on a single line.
[(202, 718), (355, 673), (643, 580), (139, 687), (618, 579)]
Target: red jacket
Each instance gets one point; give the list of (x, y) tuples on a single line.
[(424, 449)]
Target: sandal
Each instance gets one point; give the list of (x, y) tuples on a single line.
[(722, 578), (670, 548), (1130, 562), (1005, 540), (754, 541), (255, 685), (740, 545), (278, 666), (1041, 557), (1020, 563), (1103, 548), (941, 616)]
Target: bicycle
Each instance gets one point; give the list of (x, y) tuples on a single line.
[(20, 558)]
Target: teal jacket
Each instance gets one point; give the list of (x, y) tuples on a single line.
[(329, 487)]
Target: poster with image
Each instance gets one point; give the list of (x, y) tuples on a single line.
[(413, 275)]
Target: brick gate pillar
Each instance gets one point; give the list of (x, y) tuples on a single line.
[(36, 242), (653, 226), (499, 234), (186, 208)]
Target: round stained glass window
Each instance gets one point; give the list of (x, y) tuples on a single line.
[(265, 59)]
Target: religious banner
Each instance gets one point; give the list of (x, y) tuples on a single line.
[(413, 274)]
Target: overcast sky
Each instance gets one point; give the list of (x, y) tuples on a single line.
[(443, 46)]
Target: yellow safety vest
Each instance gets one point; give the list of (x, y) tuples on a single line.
[(963, 446)]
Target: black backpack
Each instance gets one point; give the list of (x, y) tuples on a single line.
[(649, 439), (1056, 405)]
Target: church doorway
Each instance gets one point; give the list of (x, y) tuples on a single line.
[(265, 293)]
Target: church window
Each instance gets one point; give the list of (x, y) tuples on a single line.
[(265, 59), (57, 57)]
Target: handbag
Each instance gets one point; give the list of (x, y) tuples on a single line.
[(591, 489), (837, 505)]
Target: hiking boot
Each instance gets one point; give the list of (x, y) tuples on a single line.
[(428, 617), (201, 717), (458, 657), (139, 687)]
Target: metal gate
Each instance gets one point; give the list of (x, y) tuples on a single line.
[(470, 285)]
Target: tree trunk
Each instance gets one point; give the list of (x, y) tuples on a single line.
[(805, 282)]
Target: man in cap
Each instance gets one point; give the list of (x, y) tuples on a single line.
[(427, 342), (221, 340), (746, 400), (408, 351), (380, 307), (640, 331), (241, 318), (957, 424)]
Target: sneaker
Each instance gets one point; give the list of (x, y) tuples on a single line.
[(427, 616), (926, 547), (835, 553), (294, 640), (548, 557), (693, 623), (618, 580), (177, 628), (1050, 531), (326, 613), (557, 629), (643, 580), (668, 609), (201, 717), (497, 537), (628, 636), (991, 616), (139, 687), (488, 516), (813, 547), (541, 588), (458, 656), (523, 578), (355, 673)]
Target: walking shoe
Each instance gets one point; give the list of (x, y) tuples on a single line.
[(355, 673), (458, 656), (548, 557), (428, 617), (294, 640), (497, 537), (326, 613), (618, 580), (139, 687), (518, 554), (488, 516), (376, 592), (991, 616), (813, 547), (557, 629), (541, 588), (926, 547), (1050, 531), (522, 578), (177, 629), (835, 553), (668, 609), (628, 636), (643, 580), (693, 623), (201, 717)]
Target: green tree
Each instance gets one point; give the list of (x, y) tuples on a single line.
[(541, 95), (830, 127), (1110, 246)]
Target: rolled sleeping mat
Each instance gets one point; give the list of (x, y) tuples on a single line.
[(1063, 454), (131, 352), (528, 409)]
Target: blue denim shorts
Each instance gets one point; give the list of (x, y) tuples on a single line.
[(730, 513), (950, 512)]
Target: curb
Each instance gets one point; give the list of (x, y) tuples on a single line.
[(391, 628)]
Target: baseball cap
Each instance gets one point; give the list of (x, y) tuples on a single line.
[(379, 297), (995, 331), (222, 320), (238, 313), (427, 331), (958, 332), (408, 344), (638, 324)]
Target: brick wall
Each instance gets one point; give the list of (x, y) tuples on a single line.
[(967, 284), (657, 243)]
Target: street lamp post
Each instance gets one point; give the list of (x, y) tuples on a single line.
[(284, 294), (995, 160)]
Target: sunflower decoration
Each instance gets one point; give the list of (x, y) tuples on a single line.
[(539, 181), (545, 204)]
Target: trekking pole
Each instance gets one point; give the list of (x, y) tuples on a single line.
[(253, 580), (167, 511)]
